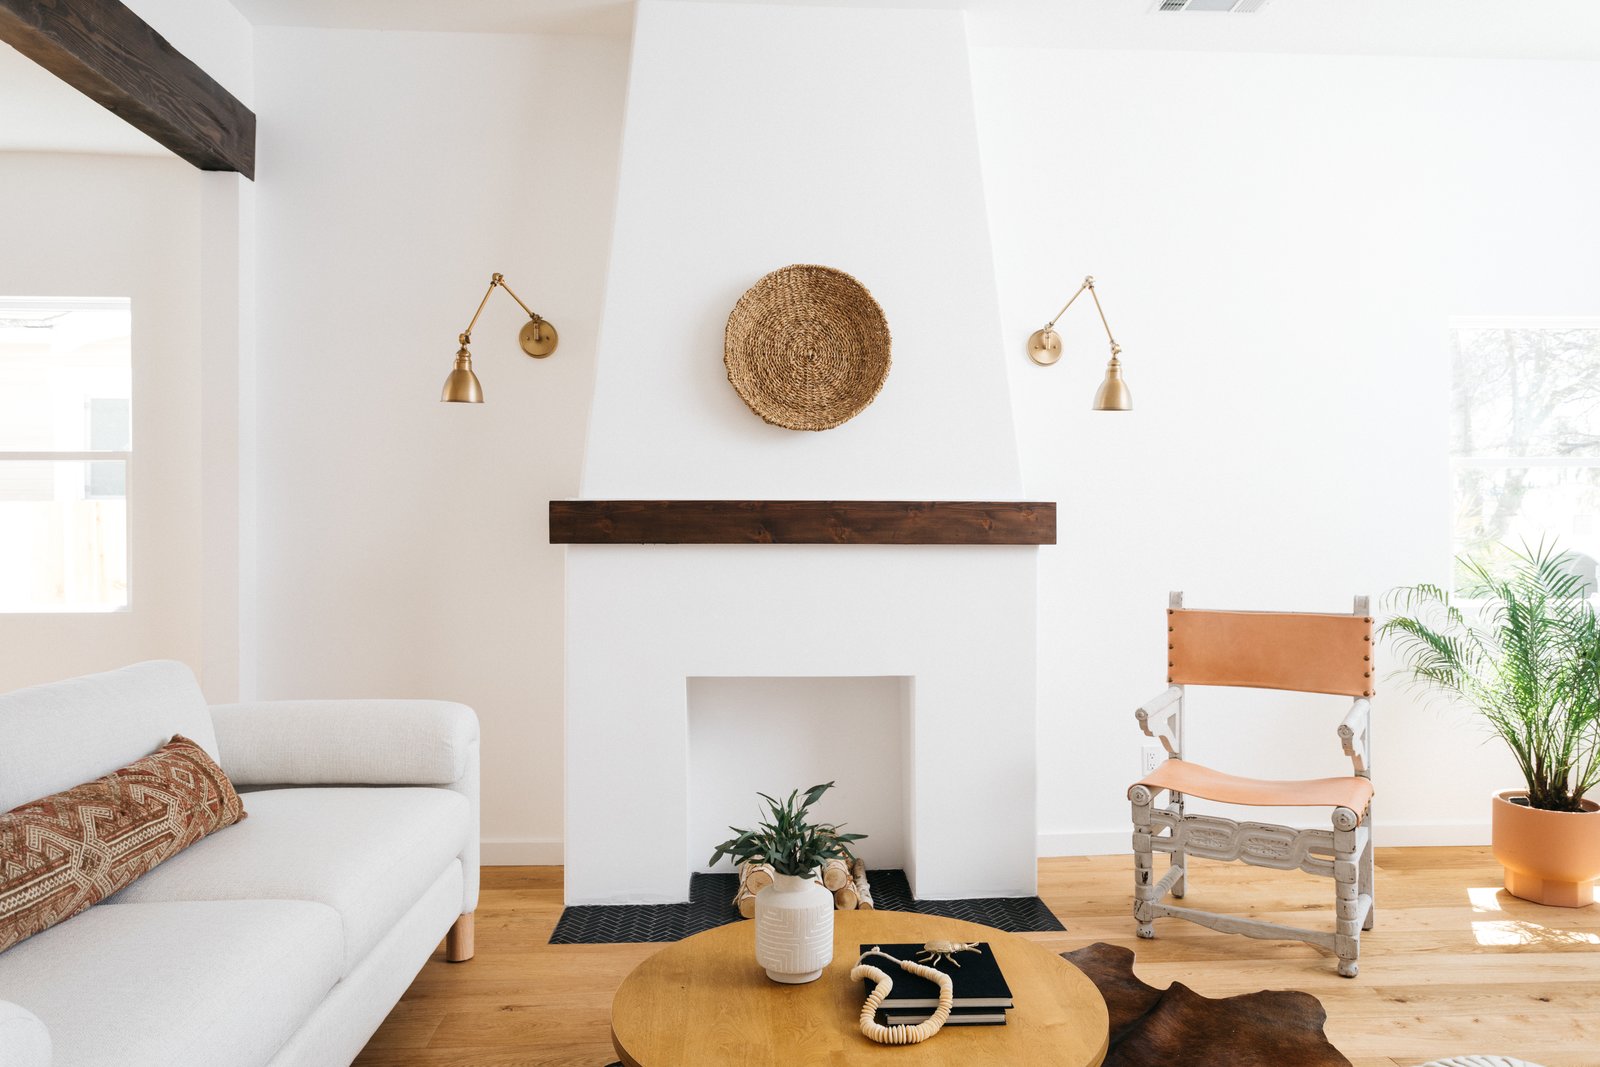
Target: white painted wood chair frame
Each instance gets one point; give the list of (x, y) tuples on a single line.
[(1343, 853)]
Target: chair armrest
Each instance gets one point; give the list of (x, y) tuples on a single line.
[(1353, 733), (1158, 717), (346, 742), (24, 1038)]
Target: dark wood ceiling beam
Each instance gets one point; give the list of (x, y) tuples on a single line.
[(108, 53)]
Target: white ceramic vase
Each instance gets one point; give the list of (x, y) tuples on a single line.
[(794, 929)]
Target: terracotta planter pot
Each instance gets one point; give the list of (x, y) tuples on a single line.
[(1550, 857)]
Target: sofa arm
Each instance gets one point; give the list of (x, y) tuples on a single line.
[(356, 742), (345, 742), (24, 1039)]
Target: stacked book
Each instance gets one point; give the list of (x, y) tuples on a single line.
[(982, 997)]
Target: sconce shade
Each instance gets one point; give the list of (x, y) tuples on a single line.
[(1113, 394), (462, 386)]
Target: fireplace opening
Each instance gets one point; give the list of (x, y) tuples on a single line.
[(776, 734)]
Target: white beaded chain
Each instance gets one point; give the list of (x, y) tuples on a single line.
[(900, 1034)]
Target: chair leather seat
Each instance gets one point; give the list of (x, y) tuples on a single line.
[(1197, 780)]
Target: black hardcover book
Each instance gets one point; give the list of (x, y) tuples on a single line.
[(958, 1017), (975, 979)]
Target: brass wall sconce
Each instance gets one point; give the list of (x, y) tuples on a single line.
[(538, 339), (1044, 348)]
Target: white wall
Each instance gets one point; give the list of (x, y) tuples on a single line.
[(403, 542), (764, 135), (217, 38), (184, 239), (1280, 242), (121, 226)]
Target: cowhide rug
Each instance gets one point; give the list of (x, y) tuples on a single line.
[(1176, 1026)]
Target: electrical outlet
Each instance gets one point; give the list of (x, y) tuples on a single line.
[(1150, 756)]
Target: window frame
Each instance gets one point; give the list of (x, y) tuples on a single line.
[(1458, 462), (71, 303)]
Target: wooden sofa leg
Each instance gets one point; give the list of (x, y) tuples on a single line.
[(458, 942)]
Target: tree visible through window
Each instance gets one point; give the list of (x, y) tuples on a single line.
[(1526, 437), (66, 445)]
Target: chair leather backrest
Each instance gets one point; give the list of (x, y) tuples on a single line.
[(1305, 652)]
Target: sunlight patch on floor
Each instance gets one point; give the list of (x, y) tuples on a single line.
[(1516, 932), (1485, 898)]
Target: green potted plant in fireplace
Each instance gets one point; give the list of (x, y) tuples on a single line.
[(794, 915), (1521, 645)]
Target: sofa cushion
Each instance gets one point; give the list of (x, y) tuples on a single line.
[(158, 985), (24, 1039), (66, 851), (56, 736), (368, 853)]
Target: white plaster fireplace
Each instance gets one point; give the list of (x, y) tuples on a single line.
[(758, 136)]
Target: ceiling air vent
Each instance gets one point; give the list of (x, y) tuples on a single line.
[(1239, 7)]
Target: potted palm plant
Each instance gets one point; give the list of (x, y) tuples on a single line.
[(794, 915), (1523, 648)]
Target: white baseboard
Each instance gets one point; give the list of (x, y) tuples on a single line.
[(521, 852), (1430, 833), (546, 851), (1093, 843), (1115, 842)]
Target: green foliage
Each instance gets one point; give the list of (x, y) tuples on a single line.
[(786, 839), (1524, 650)]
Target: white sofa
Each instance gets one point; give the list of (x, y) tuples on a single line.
[(283, 940)]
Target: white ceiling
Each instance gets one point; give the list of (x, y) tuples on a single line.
[(1533, 29), (463, 16), (1526, 29), (40, 113)]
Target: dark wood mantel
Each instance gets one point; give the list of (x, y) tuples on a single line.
[(802, 522)]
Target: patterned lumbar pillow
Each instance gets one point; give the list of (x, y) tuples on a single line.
[(69, 850)]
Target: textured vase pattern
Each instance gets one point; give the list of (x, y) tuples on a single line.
[(794, 929)]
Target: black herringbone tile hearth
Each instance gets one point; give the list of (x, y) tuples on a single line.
[(711, 904)]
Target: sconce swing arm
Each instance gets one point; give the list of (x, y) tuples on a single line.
[(1044, 347), (498, 281)]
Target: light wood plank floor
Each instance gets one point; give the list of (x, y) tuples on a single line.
[(1454, 967)]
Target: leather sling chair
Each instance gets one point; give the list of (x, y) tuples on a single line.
[(1312, 653)]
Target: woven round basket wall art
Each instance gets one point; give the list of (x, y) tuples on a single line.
[(807, 347)]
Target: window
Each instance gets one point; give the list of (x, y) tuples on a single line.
[(66, 446), (1526, 437)]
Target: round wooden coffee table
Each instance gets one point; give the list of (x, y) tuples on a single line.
[(705, 1000)]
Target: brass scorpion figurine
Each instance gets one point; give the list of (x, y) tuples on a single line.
[(946, 950)]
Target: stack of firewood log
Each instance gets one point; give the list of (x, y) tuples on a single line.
[(846, 881), (753, 878)]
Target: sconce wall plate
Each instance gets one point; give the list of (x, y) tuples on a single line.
[(537, 337), (1044, 346)]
